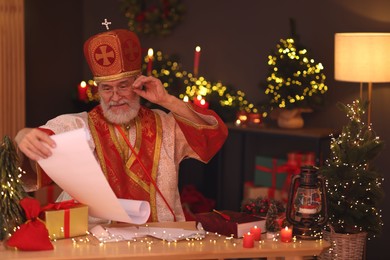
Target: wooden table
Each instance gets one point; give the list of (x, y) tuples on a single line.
[(211, 247)]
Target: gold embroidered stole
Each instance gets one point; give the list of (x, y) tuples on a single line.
[(124, 174)]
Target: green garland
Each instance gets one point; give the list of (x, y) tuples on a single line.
[(223, 99), (153, 17)]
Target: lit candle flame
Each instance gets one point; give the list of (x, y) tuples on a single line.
[(150, 52), (83, 84)]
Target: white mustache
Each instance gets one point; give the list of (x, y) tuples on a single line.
[(113, 103)]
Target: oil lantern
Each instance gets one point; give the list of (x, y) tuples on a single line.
[(306, 206)]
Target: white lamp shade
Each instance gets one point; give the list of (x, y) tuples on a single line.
[(362, 57)]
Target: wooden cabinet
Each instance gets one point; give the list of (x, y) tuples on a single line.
[(236, 161)]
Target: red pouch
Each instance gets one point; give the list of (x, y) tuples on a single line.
[(32, 235)]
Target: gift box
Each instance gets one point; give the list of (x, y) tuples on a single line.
[(252, 192), (270, 172), (297, 159), (277, 172), (65, 219)]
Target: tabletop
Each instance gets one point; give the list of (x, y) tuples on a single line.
[(213, 246)]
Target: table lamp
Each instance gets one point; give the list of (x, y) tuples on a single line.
[(364, 58)]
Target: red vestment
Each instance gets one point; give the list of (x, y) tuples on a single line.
[(160, 139)]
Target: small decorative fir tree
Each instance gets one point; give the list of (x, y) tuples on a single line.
[(295, 80), (353, 184), (271, 223), (12, 191)]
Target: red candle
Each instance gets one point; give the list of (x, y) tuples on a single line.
[(203, 103), (82, 91), (150, 62), (286, 234), (243, 117), (254, 118), (256, 231), (248, 240), (196, 61)]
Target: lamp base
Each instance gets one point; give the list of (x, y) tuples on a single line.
[(306, 233)]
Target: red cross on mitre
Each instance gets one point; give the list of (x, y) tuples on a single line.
[(131, 50), (104, 55)]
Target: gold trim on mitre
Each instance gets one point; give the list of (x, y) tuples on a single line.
[(117, 76)]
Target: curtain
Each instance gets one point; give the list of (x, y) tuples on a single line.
[(12, 67)]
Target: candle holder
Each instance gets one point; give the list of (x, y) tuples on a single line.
[(307, 206)]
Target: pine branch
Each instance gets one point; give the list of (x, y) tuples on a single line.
[(11, 189)]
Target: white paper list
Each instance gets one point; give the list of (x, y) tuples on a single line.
[(74, 168)]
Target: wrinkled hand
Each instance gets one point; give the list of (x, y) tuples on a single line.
[(35, 144), (151, 89)]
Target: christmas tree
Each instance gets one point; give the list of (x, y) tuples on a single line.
[(295, 80), (11, 189), (354, 186)]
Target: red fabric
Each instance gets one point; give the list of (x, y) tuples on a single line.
[(50, 193), (124, 185), (44, 178), (67, 204), (194, 202), (113, 53), (32, 235), (199, 139), (66, 223)]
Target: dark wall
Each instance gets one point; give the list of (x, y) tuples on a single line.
[(236, 38), (53, 58)]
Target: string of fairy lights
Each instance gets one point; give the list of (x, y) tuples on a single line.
[(213, 239), (294, 78), (352, 184), (225, 100)]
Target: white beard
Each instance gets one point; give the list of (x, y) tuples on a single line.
[(123, 117)]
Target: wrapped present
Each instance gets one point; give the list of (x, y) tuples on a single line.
[(276, 173), (298, 159), (252, 192), (65, 219), (270, 172), (47, 194)]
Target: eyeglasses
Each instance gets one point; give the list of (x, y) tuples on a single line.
[(123, 88), (120, 90)]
